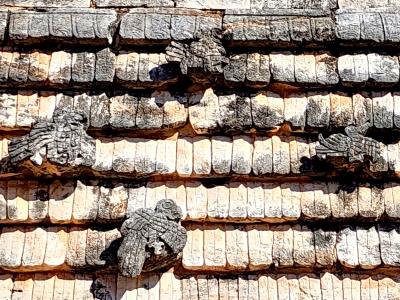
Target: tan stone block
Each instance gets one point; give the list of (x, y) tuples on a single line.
[(63, 286), (242, 154), (262, 156), (19, 67), (237, 200), (17, 201), (233, 287), (175, 112), (280, 156), (267, 110), (61, 201), (393, 155), (381, 164), (273, 202), (346, 248), (260, 239), (75, 256), (11, 247), (341, 110), (291, 201), (202, 287), (4, 148), (305, 68), (218, 201), (6, 286), (303, 246), (8, 111), (127, 66), (331, 287), (47, 105), (369, 255), (201, 155), (282, 249), (295, 109), (142, 287), (27, 108), (212, 284), (243, 287), (389, 240), (136, 199), (196, 200), (322, 205), (155, 191), (85, 202), (267, 287), (223, 291), (60, 67), (23, 287), (221, 150), (184, 156), (310, 287), (204, 111), (38, 200), (39, 64), (146, 154), (369, 288), (43, 286), (237, 253), (104, 155), (176, 191), (166, 157), (123, 158), (34, 250), (343, 204), (282, 282), (255, 200), (294, 159), (282, 66), (56, 247), (112, 202), (170, 286), (325, 247), (149, 114), (6, 59), (362, 108), (370, 202), (193, 256), (82, 286)]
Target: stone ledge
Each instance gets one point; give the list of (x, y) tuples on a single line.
[(75, 202), (321, 285)]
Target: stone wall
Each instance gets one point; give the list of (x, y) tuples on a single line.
[(273, 126)]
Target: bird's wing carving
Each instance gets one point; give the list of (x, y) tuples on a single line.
[(334, 143), (42, 134), (175, 237), (132, 252)]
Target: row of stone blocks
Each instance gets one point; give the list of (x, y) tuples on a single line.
[(82, 68), (219, 155), (148, 25), (209, 247), (74, 202), (317, 286), (207, 111)]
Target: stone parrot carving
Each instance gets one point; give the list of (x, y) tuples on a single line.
[(206, 53), (152, 238), (63, 140), (353, 145)]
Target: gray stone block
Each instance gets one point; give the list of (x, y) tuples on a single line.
[(236, 69), (235, 25), (372, 27), (83, 67), (100, 111), (39, 25), (383, 68), (258, 68), (300, 29), (391, 26), (133, 3), (279, 29), (348, 26), (282, 67), (19, 68), (256, 28), (19, 25), (158, 26), (326, 69), (61, 25), (105, 65), (46, 3), (3, 23), (83, 25), (208, 22), (353, 68), (323, 29), (182, 27), (132, 26)]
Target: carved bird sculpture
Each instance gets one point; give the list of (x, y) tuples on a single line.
[(206, 52), (63, 140), (150, 233), (353, 145)]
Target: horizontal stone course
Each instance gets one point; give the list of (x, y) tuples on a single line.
[(169, 285), (46, 3), (76, 202), (209, 247)]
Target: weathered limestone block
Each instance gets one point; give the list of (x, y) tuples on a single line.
[(132, 26), (196, 200), (325, 247), (341, 114), (236, 247), (6, 60), (235, 71), (282, 67), (83, 67), (343, 204), (104, 155), (303, 246), (76, 247), (204, 112), (318, 110), (218, 202), (383, 108), (258, 68), (348, 26), (370, 202), (56, 247), (362, 108), (165, 162), (267, 110), (369, 255), (123, 157), (389, 239), (214, 247), (193, 253), (346, 248), (46, 3), (260, 239), (19, 67), (383, 68), (3, 23), (305, 68), (61, 199), (184, 150), (60, 67), (280, 155), (219, 4), (201, 155), (326, 69), (112, 203), (353, 68), (237, 200), (282, 250), (105, 65), (235, 112), (262, 156), (123, 111), (17, 204), (391, 26), (242, 154), (127, 66), (34, 250), (39, 64), (11, 247), (157, 26), (295, 109)]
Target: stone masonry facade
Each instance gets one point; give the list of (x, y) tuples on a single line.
[(199, 149)]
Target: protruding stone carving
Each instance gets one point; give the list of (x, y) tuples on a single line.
[(63, 140), (353, 145), (205, 55), (152, 239)]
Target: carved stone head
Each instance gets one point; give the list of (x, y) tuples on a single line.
[(169, 208)]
